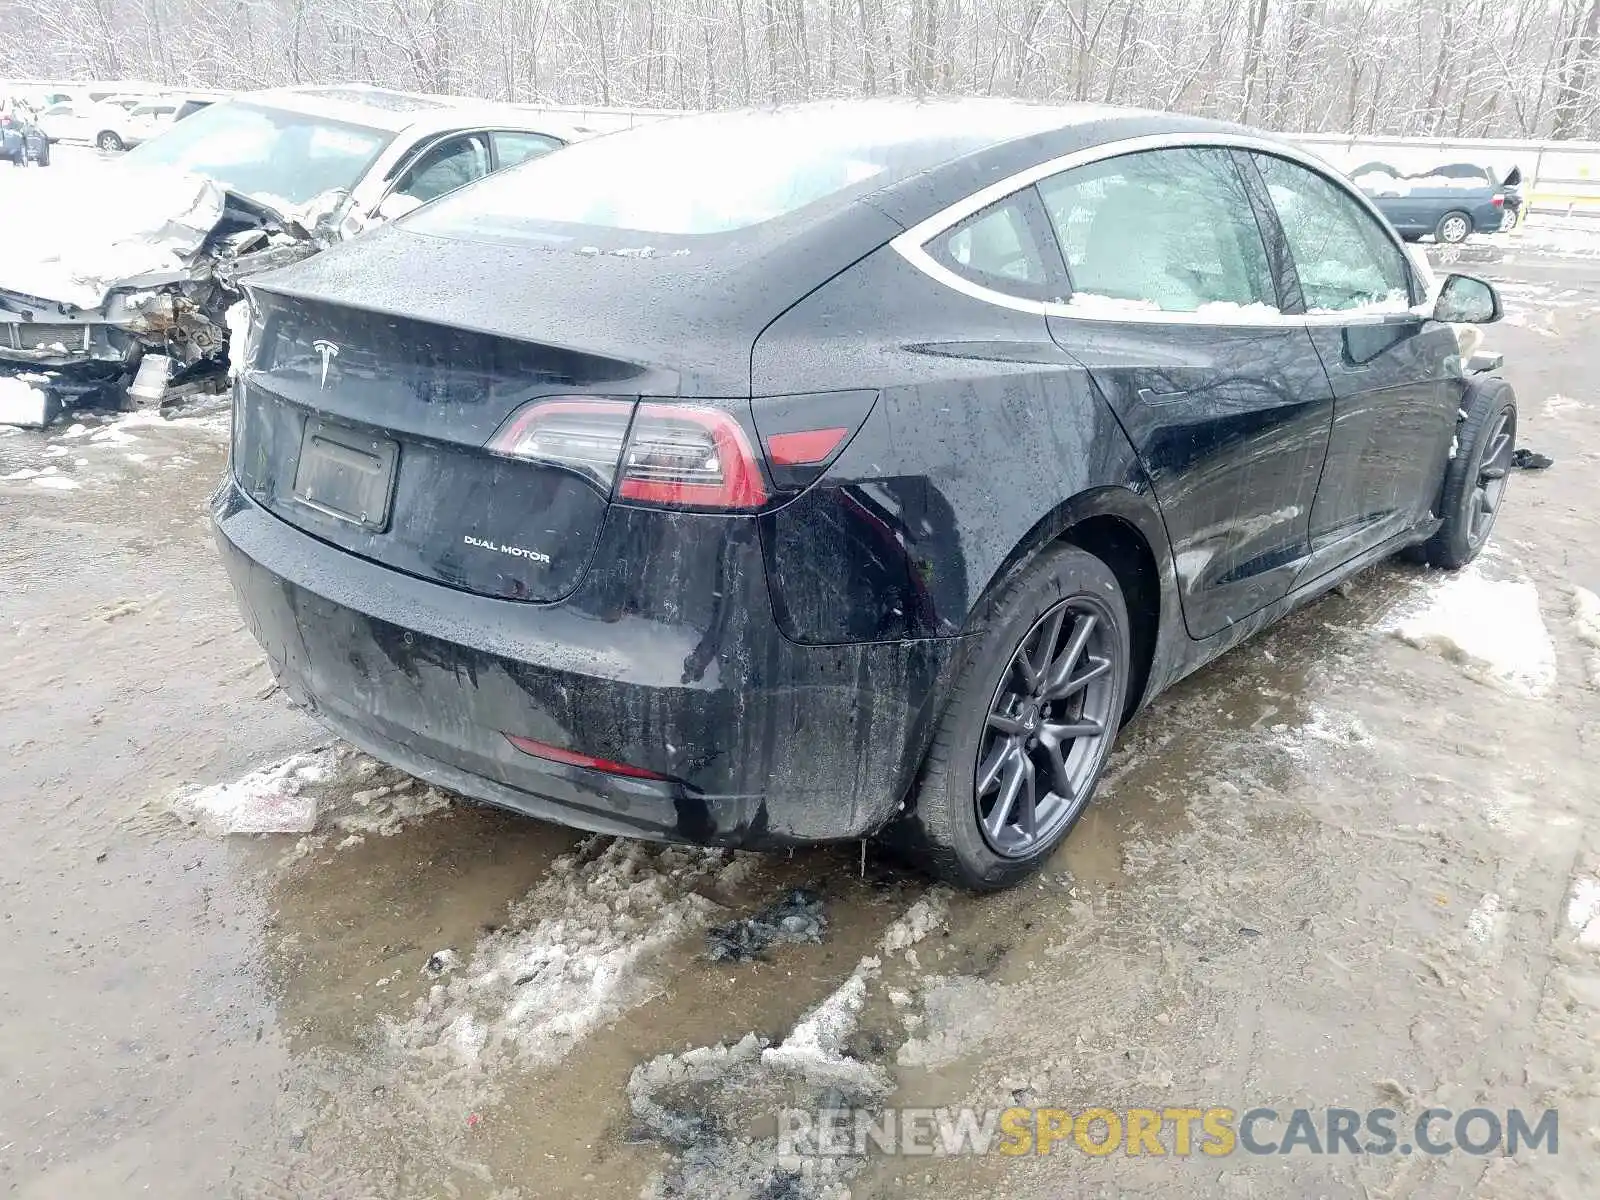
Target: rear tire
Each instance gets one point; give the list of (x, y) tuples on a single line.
[(1013, 763), (108, 141), (1475, 480), (1453, 228)]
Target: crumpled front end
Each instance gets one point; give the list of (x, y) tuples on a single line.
[(137, 307)]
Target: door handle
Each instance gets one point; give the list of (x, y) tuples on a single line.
[(1152, 397)]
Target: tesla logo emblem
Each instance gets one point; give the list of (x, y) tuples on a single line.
[(329, 352)]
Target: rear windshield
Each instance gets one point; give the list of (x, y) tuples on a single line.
[(711, 174)]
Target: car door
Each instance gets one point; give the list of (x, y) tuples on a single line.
[(62, 121), (1175, 312), (1394, 375)]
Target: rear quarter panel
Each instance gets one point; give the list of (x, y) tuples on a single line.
[(986, 440)]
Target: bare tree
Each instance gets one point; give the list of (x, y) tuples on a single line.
[(1446, 67)]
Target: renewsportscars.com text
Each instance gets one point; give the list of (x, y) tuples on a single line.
[(1178, 1132)]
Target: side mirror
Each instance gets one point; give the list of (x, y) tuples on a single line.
[(1464, 300), (395, 205)]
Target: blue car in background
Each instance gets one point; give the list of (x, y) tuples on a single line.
[(21, 140), (1451, 202)]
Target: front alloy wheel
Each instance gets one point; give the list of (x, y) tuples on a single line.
[(1483, 503), (1048, 720), (1475, 479)]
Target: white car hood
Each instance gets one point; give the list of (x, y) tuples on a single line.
[(73, 235)]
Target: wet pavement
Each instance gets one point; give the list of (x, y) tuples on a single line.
[(1335, 868)]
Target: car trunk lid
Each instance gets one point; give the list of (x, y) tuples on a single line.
[(371, 432)]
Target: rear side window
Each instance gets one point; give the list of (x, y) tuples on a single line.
[(1344, 258), (997, 248), (1168, 230), (514, 146)]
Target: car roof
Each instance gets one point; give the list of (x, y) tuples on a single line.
[(397, 112), (972, 122)]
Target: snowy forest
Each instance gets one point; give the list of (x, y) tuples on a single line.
[(1451, 68)]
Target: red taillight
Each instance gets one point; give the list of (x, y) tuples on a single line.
[(668, 454), (1499, 201), (693, 457), (570, 758), (582, 435), (805, 447)]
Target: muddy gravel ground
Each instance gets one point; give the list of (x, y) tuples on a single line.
[(1354, 863)]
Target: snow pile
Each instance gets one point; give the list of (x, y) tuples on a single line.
[(1393, 301), (697, 1101), (21, 403), (1092, 305), (815, 1049), (929, 913), (1491, 628), (271, 800), (1322, 726), (1586, 617), (1583, 911), (335, 789), (1226, 311), (1381, 183), (572, 956), (384, 809)]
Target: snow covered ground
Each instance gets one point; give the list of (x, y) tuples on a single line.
[(1491, 627)]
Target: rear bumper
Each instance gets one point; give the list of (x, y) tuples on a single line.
[(762, 741)]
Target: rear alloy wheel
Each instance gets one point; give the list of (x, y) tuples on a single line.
[(1453, 228), (1475, 481), (1030, 724), (108, 141)]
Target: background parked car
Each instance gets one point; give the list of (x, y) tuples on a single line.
[(145, 121), (1451, 201), (102, 122), (22, 142), (290, 172)]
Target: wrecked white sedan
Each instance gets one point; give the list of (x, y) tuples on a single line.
[(116, 280)]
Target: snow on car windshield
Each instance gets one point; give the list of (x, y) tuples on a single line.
[(265, 151)]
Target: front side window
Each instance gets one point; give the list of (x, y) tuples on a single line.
[(996, 248), (453, 163), (1163, 230), (1344, 258)]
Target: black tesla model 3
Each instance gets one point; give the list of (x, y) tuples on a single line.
[(773, 477)]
